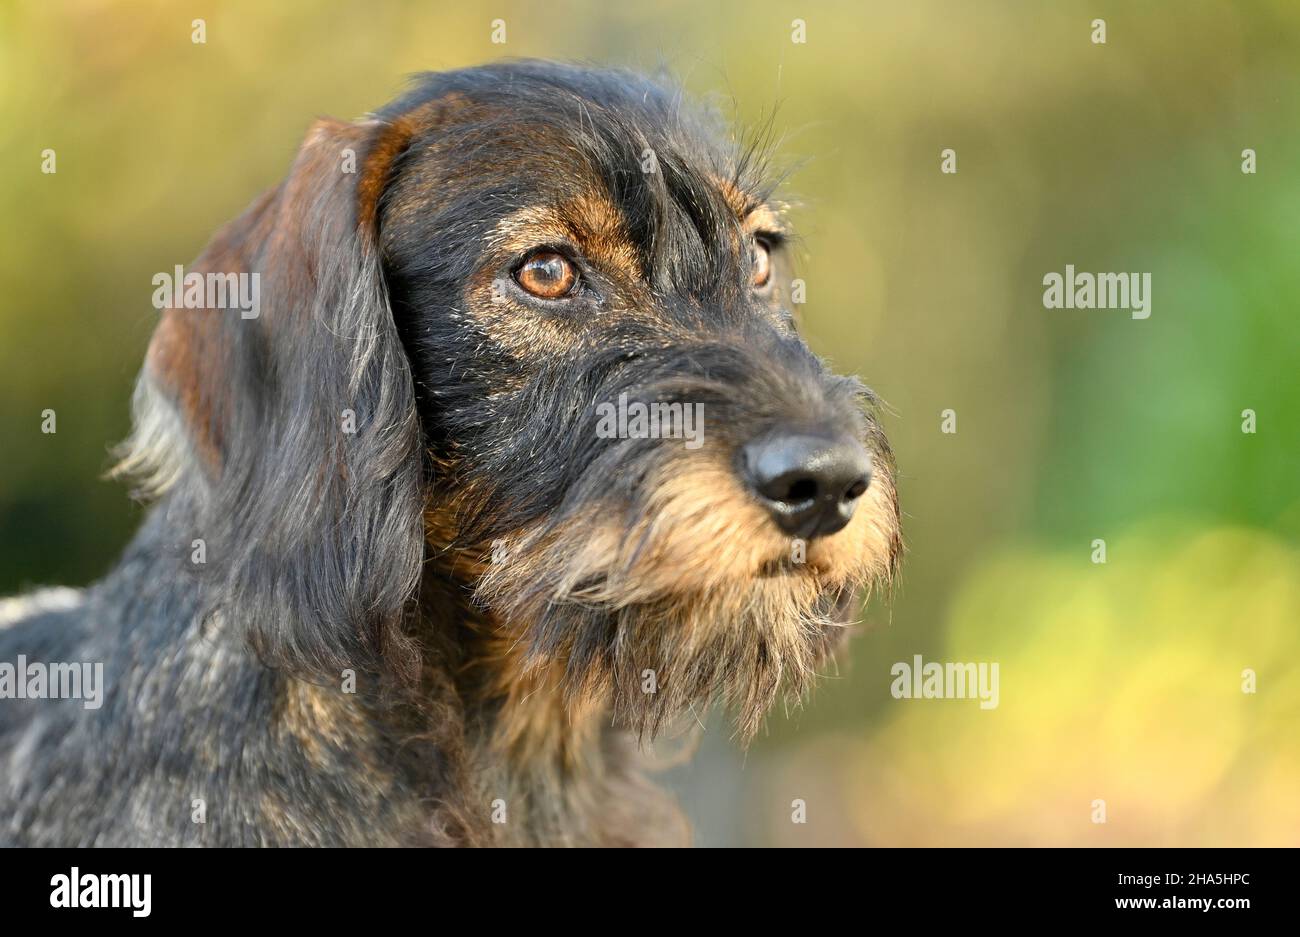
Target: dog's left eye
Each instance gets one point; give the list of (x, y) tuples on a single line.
[(547, 275), (762, 265)]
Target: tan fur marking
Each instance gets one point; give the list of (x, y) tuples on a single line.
[(316, 716)]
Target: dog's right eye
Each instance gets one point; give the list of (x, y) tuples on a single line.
[(547, 275)]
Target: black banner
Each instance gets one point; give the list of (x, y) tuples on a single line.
[(144, 887)]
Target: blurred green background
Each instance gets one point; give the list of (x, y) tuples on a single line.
[(1120, 682)]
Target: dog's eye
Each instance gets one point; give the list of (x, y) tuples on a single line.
[(547, 275), (762, 264)]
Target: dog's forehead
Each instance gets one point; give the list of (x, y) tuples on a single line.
[(565, 145), (589, 158)]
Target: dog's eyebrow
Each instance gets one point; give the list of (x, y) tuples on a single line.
[(761, 217), (753, 212)]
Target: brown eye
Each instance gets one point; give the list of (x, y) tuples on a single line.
[(762, 265), (547, 275)]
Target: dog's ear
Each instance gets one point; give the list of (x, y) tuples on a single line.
[(284, 423)]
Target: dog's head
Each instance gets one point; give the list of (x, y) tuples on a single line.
[(530, 328)]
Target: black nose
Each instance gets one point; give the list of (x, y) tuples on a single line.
[(809, 482)]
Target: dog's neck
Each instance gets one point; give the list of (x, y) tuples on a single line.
[(517, 706), (527, 745)]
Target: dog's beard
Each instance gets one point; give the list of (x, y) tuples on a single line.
[(655, 660), (685, 603)]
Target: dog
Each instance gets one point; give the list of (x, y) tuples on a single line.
[(520, 462)]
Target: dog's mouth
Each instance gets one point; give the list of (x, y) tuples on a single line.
[(786, 566), (595, 590)]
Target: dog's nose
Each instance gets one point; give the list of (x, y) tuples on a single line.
[(809, 482)]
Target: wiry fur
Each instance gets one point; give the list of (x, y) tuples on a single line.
[(483, 683)]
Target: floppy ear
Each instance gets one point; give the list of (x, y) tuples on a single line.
[(289, 440)]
